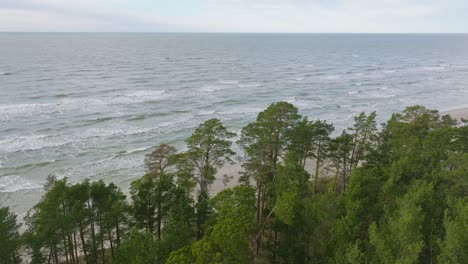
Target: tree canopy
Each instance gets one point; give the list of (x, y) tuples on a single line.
[(391, 194)]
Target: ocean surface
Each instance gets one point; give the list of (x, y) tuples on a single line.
[(92, 105)]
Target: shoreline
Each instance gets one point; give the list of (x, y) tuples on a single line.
[(457, 113), (22, 201)]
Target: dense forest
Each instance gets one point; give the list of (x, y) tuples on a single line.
[(395, 193)]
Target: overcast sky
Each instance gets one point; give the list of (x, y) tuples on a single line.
[(235, 15)]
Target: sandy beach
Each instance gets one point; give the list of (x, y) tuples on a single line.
[(457, 113)]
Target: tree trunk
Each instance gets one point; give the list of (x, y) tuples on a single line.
[(159, 215), (65, 247), (76, 247), (275, 246), (83, 242), (93, 233), (117, 231), (71, 248), (102, 239), (110, 241), (259, 211), (50, 256), (55, 254), (317, 167)]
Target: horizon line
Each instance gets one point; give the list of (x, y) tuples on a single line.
[(239, 32)]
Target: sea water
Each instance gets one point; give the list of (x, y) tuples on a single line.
[(92, 105)]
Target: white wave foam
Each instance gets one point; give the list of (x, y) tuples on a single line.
[(302, 104), (34, 142), (137, 96), (353, 92), (297, 78), (145, 93), (332, 77), (206, 112), (4, 73), (16, 183), (240, 111), (249, 85), (10, 111), (114, 166), (136, 150), (211, 88), (430, 68), (384, 96), (37, 142), (228, 82)]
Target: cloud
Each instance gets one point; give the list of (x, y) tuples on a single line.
[(235, 15), (84, 15)]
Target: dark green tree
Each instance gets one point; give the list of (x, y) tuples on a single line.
[(209, 148), (9, 237), (152, 196), (137, 248), (265, 142)]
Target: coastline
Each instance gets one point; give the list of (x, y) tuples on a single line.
[(458, 113), (23, 200)]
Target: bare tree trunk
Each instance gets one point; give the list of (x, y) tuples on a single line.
[(70, 248), (317, 167), (275, 246), (110, 240), (93, 233), (55, 254), (50, 256), (76, 247), (159, 216), (259, 211), (83, 242), (65, 248), (117, 231), (102, 239)]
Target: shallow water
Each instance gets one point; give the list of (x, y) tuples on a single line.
[(90, 105)]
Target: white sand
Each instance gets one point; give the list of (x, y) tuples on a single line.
[(457, 113)]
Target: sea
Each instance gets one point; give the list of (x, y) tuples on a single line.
[(91, 105)]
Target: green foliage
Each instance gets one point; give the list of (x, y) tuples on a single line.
[(181, 256), (266, 139), (395, 196), (400, 238), (455, 243), (178, 231), (208, 149), (76, 220), (286, 207), (9, 237), (228, 239), (137, 248), (152, 197)]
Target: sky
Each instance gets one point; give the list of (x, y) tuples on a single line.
[(288, 16)]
